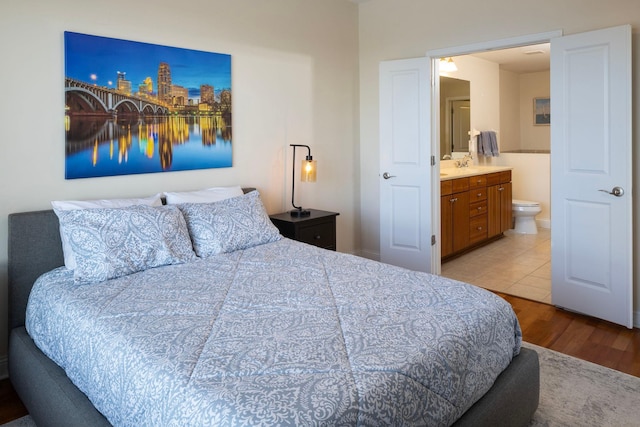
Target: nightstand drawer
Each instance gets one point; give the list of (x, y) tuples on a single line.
[(322, 235), (318, 228)]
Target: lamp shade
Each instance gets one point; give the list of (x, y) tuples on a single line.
[(308, 171)]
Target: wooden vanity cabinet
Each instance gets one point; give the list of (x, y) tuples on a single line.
[(474, 210)]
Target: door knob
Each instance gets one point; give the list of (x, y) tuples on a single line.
[(387, 176), (615, 191)]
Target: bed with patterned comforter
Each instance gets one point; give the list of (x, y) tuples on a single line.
[(278, 334)]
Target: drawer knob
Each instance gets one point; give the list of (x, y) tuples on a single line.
[(479, 208), (479, 194), (318, 237), (479, 228)]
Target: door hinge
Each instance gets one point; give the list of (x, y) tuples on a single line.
[(433, 240), (433, 160)]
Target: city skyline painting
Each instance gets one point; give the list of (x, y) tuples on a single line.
[(133, 107)]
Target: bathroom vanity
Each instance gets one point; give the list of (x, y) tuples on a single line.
[(475, 207)]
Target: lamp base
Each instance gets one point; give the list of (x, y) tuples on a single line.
[(300, 213)]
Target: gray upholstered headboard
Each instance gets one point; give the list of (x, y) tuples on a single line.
[(34, 248)]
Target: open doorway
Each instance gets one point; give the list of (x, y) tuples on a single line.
[(517, 264)]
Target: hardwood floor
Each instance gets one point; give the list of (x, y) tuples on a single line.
[(11, 407), (577, 335), (574, 334)]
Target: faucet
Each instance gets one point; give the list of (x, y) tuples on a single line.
[(464, 162)]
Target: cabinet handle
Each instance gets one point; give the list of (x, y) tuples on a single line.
[(479, 228), (455, 199), (479, 194), (479, 208), (318, 237), (501, 189)]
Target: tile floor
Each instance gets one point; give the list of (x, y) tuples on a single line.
[(518, 264)]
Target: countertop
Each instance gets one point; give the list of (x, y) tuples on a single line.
[(453, 173)]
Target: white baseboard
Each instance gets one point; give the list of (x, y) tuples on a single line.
[(369, 254), (4, 368), (544, 223)]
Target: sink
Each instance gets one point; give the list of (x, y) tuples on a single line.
[(459, 171), (467, 170)]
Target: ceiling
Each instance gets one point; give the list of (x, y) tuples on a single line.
[(524, 59)]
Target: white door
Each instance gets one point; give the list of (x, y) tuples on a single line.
[(405, 168), (591, 236)]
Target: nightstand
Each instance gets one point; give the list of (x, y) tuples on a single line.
[(318, 229)]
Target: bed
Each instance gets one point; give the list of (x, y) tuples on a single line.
[(346, 360)]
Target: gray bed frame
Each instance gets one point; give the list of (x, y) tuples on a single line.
[(53, 400)]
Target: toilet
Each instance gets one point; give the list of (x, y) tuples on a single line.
[(525, 213)]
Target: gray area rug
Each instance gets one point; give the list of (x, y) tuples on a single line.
[(572, 393)]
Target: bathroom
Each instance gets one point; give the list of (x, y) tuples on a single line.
[(503, 87)]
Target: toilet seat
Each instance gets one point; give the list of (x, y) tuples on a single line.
[(524, 203)]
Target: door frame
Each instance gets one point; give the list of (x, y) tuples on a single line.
[(434, 57)]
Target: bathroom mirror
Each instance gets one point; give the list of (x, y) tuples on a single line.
[(455, 117)]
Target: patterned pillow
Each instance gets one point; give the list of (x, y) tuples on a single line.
[(109, 243), (67, 205), (228, 225)]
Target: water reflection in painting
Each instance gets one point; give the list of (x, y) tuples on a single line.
[(104, 147)]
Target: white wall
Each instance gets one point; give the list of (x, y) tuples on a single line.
[(531, 180), (295, 74), (484, 88), (409, 28), (509, 111), (533, 85)]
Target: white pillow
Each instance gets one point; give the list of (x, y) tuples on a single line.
[(208, 195), (68, 205)]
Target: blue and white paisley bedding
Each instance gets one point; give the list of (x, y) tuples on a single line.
[(278, 334)]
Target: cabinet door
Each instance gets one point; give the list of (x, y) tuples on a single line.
[(499, 209), (505, 207), (494, 209), (446, 225), (460, 216)]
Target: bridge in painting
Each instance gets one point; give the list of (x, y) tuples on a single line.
[(88, 99)]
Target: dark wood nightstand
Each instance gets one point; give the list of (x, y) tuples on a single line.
[(318, 229)]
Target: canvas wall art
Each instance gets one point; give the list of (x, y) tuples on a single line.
[(133, 107)]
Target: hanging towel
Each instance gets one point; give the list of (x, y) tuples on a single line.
[(488, 144)]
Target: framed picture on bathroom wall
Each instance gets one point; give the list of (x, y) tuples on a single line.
[(542, 111)]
